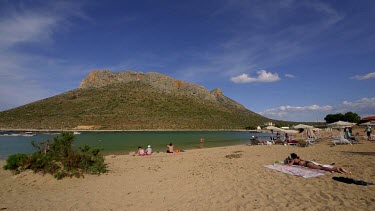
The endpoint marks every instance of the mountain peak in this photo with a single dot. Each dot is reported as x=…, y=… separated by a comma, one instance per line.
x=100, y=78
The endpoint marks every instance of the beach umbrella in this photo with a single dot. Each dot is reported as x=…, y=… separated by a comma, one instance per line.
x=302, y=126
x=371, y=123
x=273, y=128
x=316, y=130
x=340, y=124
x=291, y=131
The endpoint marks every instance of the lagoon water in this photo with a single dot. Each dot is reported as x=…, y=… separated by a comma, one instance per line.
x=125, y=142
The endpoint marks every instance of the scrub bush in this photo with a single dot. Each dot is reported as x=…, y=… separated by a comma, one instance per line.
x=16, y=161
x=59, y=159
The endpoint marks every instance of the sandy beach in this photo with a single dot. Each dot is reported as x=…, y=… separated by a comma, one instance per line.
x=224, y=178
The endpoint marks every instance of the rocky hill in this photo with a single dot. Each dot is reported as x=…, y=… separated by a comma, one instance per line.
x=133, y=100
x=163, y=83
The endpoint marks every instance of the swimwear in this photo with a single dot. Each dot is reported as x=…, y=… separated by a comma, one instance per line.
x=306, y=162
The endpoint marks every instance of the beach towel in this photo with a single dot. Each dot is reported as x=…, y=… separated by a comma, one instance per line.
x=294, y=170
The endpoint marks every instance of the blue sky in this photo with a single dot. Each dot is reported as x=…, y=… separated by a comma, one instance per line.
x=290, y=60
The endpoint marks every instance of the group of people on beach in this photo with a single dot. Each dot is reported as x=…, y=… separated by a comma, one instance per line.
x=170, y=146
x=287, y=139
x=274, y=140
x=255, y=140
x=142, y=152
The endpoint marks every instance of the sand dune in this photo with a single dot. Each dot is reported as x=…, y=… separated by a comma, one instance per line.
x=202, y=179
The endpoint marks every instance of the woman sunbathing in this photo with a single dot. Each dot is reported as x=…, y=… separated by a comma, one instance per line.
x=296, y=160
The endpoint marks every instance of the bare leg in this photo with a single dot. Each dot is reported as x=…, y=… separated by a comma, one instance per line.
x=343, y=171
x=313, y=166
x=335, y=169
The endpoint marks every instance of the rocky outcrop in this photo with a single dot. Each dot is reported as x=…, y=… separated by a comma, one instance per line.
x=99, y=78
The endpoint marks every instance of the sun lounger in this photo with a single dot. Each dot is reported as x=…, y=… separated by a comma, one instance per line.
x=372, y=137
x=278, y=141
x=292, y=143
x=341, y=141
x=353, y=140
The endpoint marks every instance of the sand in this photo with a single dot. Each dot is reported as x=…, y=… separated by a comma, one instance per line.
x=202, y=179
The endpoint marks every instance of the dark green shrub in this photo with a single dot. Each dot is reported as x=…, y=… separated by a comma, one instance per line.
x=16, y=161
x=59, y=159
x=250, y=128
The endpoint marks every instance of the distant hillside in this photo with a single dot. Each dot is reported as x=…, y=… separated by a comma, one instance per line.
x=133, y=100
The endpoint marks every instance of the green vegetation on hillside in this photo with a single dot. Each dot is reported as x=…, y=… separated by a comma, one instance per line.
x=133, y=105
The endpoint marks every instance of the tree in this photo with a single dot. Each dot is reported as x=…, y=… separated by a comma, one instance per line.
x=330, y=118
x=349, y=117
x=352, y=117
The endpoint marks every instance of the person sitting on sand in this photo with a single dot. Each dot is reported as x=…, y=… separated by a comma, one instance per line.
x=256, y=141
x=296, y=160
x=149, y=150
x=170, y=148
x=141, y=151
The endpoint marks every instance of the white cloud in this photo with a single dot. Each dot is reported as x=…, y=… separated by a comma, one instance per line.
x=365, y=77
x=363, y=107
x=296, y=113
x=331, y=15
x=26, y=28
x=24, y=25
x=263, y=76
x=26, y=77
x=290, y=76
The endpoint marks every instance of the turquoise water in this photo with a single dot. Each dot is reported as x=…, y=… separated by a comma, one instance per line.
x=125, y=142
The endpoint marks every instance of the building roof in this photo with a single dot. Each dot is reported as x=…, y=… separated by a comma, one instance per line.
x=369, y=118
